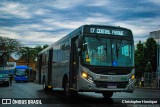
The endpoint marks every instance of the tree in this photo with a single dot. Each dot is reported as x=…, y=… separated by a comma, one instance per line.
x=151, y=53
x=7, y=46
x=146, y=57
x=30, y=54
x=45, y=46
x=139, y=59
x=148, y=67
x=27, y=54
x=38, y=49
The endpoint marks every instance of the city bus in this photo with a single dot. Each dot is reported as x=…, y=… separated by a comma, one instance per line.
x=22, y=73
x=92, y=58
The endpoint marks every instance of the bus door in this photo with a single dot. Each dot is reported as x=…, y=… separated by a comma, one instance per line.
x=74, y=62
x=49, y=79
x=39, y=68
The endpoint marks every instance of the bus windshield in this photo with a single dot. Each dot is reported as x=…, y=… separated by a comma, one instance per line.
x=99, y=51
x=21, y=72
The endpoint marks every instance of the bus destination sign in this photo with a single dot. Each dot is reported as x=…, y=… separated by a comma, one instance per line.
x=107, y=31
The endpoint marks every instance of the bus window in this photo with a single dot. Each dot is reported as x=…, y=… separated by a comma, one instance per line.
x=121, y=52
x=98, y=53
x=107, y=52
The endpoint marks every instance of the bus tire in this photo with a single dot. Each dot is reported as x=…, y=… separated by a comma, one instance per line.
x=67, y=91
x=107, y=94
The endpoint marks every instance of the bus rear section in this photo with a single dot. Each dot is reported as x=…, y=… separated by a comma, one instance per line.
x=21, y=74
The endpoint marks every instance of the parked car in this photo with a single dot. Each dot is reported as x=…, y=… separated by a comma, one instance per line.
x=4, y=79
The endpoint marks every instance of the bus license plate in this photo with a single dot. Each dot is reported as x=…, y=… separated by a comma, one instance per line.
x=112, y=86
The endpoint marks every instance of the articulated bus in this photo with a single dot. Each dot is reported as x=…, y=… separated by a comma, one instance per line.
x=92, y=58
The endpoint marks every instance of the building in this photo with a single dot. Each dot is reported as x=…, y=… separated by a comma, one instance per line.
x=156, y=36
x=21, y=61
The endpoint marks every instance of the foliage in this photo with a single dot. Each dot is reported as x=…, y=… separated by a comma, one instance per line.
x=30, y=54
x=151, y=53
x=45, y=46
x=148, y=67
x=7, y=46
x=146, y=57
x=139, y=59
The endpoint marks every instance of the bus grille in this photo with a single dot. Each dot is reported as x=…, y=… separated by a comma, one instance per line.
x=110, y=70
x=100, y=84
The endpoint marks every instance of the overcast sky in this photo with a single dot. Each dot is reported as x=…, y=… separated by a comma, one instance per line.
x=45, y=21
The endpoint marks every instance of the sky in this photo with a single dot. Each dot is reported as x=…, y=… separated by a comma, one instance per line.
x=39, y=22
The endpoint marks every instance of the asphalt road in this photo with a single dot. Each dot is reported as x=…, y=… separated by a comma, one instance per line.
x=56, y=97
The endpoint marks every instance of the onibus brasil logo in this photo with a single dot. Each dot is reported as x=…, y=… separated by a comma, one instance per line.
x=21, y=101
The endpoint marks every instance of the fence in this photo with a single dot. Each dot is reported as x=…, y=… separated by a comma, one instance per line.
x=152, y=80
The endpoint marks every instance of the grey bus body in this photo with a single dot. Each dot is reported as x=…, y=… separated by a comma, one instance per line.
x=92, y=58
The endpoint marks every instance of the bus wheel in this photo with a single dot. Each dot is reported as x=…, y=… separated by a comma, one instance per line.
x=67, y=91
x=107, y=94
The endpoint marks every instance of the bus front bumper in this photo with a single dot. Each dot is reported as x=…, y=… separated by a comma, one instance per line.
x=24, y=78
x=101, y=86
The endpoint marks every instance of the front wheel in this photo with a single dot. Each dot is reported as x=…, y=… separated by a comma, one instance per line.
x=67, y=91
x=107, y=94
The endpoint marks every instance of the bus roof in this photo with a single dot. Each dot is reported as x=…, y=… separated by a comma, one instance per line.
x=67, y=36
x=77, y=31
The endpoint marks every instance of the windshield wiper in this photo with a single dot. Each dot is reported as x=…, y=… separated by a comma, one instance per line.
x=117, y=50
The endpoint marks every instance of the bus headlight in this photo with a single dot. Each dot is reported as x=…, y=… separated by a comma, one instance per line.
x=132, y=78
x=86, y=76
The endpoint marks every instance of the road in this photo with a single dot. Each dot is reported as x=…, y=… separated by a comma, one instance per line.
x=56, y=98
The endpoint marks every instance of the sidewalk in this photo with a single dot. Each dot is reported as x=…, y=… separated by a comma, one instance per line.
x=147, y=88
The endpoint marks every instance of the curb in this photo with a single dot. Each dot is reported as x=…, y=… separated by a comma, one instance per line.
x=151, y=89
